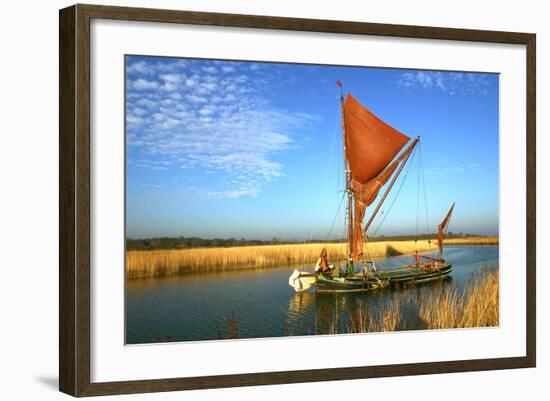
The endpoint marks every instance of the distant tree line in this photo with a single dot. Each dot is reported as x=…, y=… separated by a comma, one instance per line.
x=196, y=242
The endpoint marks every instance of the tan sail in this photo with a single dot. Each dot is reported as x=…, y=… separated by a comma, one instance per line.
x=370, y=147
x=441, y=230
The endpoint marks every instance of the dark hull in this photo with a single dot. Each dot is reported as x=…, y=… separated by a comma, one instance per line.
x=383, y=279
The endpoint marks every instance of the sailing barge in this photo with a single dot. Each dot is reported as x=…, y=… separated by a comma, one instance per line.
x=373, y=157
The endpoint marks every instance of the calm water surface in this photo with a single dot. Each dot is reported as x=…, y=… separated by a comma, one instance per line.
x=260, y=302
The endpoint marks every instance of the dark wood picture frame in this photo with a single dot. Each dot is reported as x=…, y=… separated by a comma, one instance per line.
x=74, y=199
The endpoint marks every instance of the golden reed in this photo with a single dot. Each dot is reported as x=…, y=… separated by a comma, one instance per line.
x=180, y=261
x=477, y=306
x=472, y=241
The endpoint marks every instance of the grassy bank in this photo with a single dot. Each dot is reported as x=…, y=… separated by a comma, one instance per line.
x=472, y=241
x=181, y=261
x=477, y=306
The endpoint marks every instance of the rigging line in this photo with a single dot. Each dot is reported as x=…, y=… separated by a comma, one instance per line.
x=421, y=159
x=397, y=261
x=335, y=217
x=342, y=236
x=424, y=187
x=396, y=194
x=323, y=190
x=343, y=240
x=417, y=202
x=370, y=254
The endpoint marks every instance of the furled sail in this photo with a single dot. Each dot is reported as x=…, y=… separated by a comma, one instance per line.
x=442, y=228
x=370, y=146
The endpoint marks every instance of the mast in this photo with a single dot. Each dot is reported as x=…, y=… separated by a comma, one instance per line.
x=407, y=154
x=348, y=175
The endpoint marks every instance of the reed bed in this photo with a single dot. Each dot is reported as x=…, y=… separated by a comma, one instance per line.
x=476, y=306
x=180, y=261
x=375, y=319
x=472, y=241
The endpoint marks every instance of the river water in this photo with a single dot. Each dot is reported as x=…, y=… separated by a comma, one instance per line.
x=259, y=302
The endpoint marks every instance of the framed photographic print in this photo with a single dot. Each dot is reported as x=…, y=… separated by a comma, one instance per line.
x=250, y=200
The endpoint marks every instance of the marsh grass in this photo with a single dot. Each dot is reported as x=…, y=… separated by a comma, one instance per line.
x=472, y=241
x=180, y=261
x=374, y=319
x=477, y=305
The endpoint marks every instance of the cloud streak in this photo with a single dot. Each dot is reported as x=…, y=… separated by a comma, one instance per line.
x=452, y=83
x=208, y=117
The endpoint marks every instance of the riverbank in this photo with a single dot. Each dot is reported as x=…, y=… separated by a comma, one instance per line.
x=141, y=264
x=472, y=241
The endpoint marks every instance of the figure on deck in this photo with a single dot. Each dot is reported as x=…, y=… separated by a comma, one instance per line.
x=350, y=267
x=417, y=259
x=322, y=262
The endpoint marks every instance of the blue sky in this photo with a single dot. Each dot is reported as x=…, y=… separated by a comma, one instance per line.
x=254, y=150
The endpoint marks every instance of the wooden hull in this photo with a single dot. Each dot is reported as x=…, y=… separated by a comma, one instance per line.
x=383, y=279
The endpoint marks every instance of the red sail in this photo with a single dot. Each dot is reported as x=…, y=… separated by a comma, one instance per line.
x=371, y=145
x=442, y=228
x=365, y=195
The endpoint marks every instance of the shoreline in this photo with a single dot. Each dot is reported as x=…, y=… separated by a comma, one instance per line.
x=163, y=263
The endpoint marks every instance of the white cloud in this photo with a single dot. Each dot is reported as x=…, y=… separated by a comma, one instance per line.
x=140, y=67
x=143, y=84
x=190, y=82
x=210, y=122
x=173, y=78
x=242, y=193
x=445, y=170
x=195, y=99
x=452, y=83
x=210, y=69
x=228, y=68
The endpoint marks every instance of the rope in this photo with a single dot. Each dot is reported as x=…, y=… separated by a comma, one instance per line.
x=396, y=195
x=424, y=187
x=397, y=261
x=323, y=188
x=335, y=217
x=425, y=197
x=370, y=254
x=417, y=205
